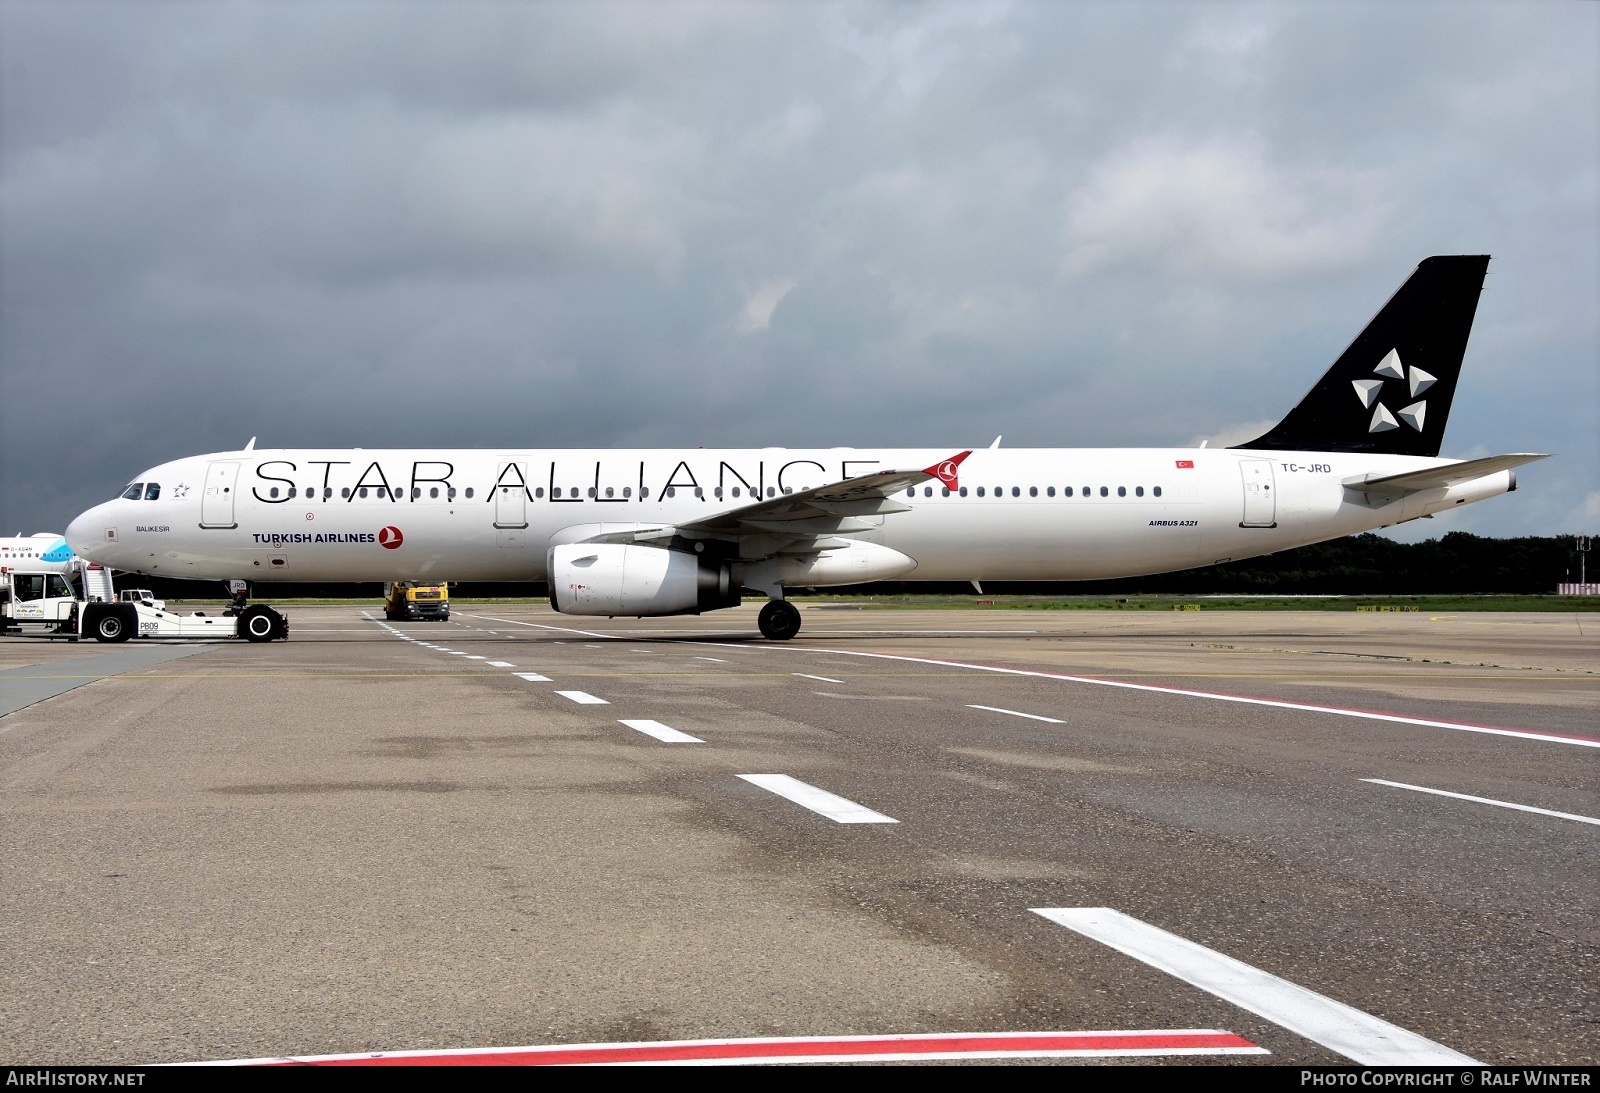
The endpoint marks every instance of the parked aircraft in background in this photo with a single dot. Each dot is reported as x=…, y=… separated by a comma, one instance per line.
x=665, y=532
x=44, y=551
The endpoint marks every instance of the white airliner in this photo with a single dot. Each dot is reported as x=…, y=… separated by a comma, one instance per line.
x=45, y=551
x=667, y=532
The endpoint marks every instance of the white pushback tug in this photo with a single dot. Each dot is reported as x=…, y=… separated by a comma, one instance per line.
x=73, y=599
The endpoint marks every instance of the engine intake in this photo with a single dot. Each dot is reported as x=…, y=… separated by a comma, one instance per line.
x=626, y=579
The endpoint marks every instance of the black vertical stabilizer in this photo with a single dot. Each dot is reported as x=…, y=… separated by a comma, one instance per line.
x=1390, y=392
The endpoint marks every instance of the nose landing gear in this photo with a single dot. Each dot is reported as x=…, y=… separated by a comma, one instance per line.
x=779, y=620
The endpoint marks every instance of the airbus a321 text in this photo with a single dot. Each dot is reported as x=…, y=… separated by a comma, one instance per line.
x=665, y=532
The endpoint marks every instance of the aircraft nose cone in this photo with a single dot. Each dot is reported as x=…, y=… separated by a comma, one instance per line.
x=86, y=532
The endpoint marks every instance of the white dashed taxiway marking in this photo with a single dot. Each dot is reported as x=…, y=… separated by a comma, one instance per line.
x=824, y=679
x=820, y=801
x=1486, y=801
x=532, y=677
x=583, y=698
x=1368, y=1040
x=665, y=733
x=1017, y=713
x=501, y=664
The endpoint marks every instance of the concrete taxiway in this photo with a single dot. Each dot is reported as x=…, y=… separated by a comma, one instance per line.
x=519, y=828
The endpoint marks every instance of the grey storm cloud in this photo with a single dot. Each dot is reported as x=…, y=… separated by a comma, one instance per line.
x=561, y=224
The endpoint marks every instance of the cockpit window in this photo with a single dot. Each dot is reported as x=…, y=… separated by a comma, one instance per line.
x=134, y=492
x=152, y=491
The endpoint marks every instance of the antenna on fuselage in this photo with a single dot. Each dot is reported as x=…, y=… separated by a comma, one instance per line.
x=250, y=447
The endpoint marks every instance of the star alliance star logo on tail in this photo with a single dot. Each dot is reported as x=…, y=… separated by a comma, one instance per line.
x=1370, y=393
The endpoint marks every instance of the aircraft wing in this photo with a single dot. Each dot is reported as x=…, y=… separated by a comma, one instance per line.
x=1438, y=477
x=803, y=522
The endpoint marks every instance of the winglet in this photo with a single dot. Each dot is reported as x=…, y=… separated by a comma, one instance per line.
x=945, y=470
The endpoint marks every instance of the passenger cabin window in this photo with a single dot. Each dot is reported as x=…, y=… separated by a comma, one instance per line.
x=964, y=491
x=273, y=492
x=1050, y=491
x=1122, y=491
x=1157, y=491
x=469, y=493
x=134, y=492
x=1138, y=491
x=1016, y=491
x=980, y=491
x=1033, y=491
x=1104, y=492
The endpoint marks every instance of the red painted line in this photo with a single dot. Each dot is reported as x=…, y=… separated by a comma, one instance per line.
x=972, y=1045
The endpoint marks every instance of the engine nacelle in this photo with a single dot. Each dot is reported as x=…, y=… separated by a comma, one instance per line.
x=626, y=579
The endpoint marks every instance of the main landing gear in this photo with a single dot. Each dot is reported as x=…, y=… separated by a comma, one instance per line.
x=779, y=620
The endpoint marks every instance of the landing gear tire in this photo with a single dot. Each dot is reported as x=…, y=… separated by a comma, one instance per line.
x=260, y=623
x=779, y=620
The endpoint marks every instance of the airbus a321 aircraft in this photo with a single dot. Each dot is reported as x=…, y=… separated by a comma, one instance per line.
x=665, y=532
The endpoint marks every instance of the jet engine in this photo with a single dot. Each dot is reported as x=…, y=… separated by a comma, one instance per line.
x=627, y=579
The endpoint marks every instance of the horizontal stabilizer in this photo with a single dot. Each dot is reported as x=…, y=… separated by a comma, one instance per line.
x=1438, y=477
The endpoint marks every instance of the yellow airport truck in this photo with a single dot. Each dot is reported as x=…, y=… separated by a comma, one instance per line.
x=405, y=600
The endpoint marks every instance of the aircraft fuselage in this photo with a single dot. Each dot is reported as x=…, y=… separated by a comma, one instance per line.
x=309, y=515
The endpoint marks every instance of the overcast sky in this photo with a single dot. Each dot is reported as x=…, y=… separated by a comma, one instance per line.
x=750, y=224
